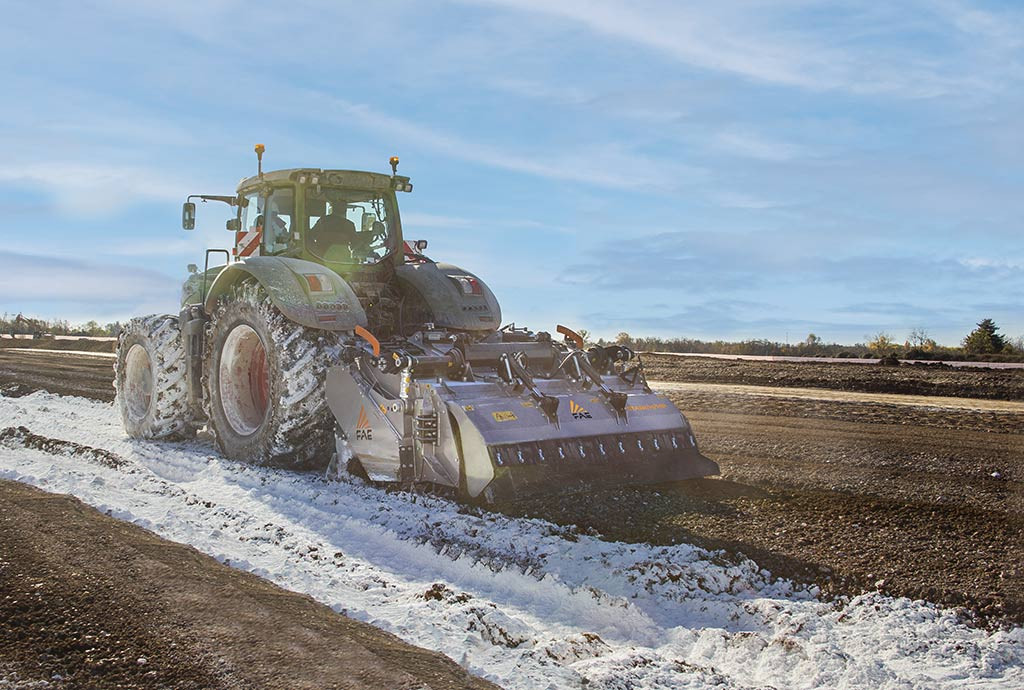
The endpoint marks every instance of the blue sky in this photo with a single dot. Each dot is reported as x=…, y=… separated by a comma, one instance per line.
x=727, y=170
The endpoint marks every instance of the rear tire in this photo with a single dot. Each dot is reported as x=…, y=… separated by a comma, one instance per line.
x=149, y=378
x=264, y=384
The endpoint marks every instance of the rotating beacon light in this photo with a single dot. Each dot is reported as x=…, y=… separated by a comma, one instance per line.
x=259, y=149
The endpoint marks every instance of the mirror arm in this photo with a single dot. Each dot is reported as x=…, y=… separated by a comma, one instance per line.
x=239, y=201
x=229, y=200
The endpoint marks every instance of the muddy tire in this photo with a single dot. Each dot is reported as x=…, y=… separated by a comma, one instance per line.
x=149, y=379
x=264, y=384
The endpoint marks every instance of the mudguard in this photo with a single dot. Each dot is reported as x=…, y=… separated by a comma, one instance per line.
x=441, y=286
x=192, y=288
x=307, y=293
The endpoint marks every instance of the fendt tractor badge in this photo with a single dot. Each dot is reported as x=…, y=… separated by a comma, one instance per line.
x=363, y=430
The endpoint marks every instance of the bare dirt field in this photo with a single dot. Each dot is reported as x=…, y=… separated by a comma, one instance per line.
x=899, y=491
x=910, y=496
x=919, y=379
x=67, y=342
x=88, y=376
x=926, y=504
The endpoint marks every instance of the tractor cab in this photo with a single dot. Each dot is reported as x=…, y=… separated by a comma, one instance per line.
x=289, y=223
x=344, y=219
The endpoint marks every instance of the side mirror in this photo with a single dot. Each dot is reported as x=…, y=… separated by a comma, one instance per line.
x=421, y=245
x=234, y=224
x=188, y=216
x=192, y=268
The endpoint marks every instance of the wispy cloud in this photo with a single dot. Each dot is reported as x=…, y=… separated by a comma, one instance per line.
x=744, y=262
x=699, y=38
x=758, y=41
x=433, y=221
x=1000, y=30
x=752, y=145
x=92, y=189
x=719, y=318
x=40, y=279
x=603, y=164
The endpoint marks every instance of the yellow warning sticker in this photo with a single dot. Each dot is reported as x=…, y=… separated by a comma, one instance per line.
x=467, y=408
x=527, y=403
x=504, y=416
x=641, y=408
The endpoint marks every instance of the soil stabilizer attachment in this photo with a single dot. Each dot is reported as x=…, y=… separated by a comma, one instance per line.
x=504, y=419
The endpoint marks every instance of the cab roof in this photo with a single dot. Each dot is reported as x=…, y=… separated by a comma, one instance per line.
x=354, y=179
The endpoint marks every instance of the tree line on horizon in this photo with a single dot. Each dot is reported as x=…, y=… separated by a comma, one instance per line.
x=985, y=342
x=19, y=324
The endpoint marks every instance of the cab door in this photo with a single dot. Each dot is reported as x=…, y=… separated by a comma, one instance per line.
x=249, y=238
x=279, y=228
x=267, y=223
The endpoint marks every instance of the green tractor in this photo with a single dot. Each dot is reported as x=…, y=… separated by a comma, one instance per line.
x=328, y=336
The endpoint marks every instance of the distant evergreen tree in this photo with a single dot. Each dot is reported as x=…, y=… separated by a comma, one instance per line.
x=984, y=339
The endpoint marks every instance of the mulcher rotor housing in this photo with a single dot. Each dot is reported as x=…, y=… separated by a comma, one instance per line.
x=508, y=415
x=397, y=360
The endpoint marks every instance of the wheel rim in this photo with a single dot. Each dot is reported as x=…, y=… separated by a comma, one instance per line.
x=242, y=380
x=138, y=382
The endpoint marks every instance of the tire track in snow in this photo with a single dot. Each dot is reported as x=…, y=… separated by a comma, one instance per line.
x=521, y=602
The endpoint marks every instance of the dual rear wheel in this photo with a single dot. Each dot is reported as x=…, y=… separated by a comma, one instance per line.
x=149, y=378
x=263, y=383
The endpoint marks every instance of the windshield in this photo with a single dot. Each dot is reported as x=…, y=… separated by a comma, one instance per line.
x=348, y=225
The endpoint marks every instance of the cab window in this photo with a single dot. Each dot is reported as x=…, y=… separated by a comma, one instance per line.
x=348, y=226
x=266, y=223
x=249, y=240
x=280, y=216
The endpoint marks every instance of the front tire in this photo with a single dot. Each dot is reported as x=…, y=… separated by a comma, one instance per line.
x=264, y=384
x=149, y=379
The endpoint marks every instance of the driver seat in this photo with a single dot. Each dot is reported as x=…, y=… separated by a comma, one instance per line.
x=332, y=230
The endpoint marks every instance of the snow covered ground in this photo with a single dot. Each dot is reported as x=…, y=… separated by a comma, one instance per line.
x=520, y=602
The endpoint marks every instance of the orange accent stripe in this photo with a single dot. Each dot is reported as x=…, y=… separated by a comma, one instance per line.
x=571, y=335
x=364, y=421
x=369, y=337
